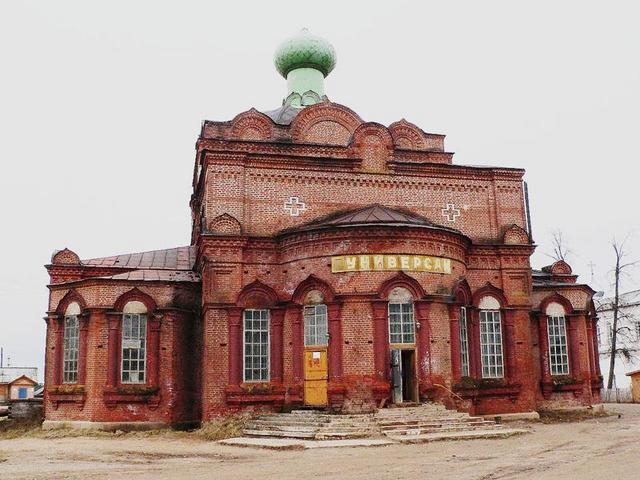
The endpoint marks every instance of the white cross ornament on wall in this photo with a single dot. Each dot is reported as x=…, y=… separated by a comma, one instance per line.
x=294, y=206
x=451, y=212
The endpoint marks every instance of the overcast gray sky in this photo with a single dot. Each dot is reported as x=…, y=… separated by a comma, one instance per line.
x=101, y=103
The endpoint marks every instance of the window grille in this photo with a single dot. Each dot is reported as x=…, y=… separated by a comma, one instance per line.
x=70, y=349
x=315, y=325
x=401, y=323
x=464, y=342
x=491, y=344
x=134, y=348
x=558, y=355
x=256, y=345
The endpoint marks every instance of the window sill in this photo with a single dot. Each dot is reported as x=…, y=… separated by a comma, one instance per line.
x=485, y=389
x=132, y=394
x=566, y=385
x=251, y=393
x=71, y=394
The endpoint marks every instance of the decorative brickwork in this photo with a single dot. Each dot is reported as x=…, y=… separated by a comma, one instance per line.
x=276, y=197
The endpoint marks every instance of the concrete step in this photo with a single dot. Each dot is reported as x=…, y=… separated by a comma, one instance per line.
x=420, y=415
x=300, y=418
x=392, y=428
x=278, y=433
x=421, y=411
x=333, y=435
x=282, y=428
x=288, y=422
x=329, y=416
x=348, y=429
x=454, y=428
x=425, y=406
x=413, y=421
x=466, y=435
x=424, y=423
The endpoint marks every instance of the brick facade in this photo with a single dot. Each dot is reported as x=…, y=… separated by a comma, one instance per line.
x=266, y=198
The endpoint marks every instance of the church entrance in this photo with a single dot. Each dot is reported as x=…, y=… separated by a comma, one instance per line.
x=315, y=377
x=404, y=387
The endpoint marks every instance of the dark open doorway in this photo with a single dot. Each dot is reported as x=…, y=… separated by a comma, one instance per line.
x=403, y=376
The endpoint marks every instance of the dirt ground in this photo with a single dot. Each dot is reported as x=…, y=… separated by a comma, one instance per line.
x=599, y=448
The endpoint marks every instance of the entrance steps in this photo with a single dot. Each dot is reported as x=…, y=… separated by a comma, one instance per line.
x=424, y=423
x=431, y=422
x=308, y=424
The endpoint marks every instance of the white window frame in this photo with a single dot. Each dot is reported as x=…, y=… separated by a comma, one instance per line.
x=464, y=343
x=264, y=350
x=128, y=337
x=316, y=325
x=491, y=347
x=71, y=349
x=558, y=346
x=405, y=319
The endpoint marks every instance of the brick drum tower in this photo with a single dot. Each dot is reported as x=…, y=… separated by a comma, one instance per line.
x=334, y=262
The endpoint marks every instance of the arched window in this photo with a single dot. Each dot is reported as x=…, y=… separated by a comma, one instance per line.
x=315, y=320
x=557, y=334
x=71, y=344
x=256, y=345
x=401, y=318
x=134, y=343
x=464, y=343
x=491, y=349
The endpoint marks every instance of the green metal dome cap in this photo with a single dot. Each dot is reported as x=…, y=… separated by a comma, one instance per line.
x=305, y=51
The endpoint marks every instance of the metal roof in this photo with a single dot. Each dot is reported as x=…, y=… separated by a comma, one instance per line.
x=375, y=214
x=179, y=258
x=283, y=115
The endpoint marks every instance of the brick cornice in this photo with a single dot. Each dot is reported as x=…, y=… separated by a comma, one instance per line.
x=280, y=155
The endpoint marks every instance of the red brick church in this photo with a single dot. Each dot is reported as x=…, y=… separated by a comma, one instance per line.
x=334, y=262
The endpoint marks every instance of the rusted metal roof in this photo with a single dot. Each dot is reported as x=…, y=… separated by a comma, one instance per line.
x=179, y=258
x=156, y=276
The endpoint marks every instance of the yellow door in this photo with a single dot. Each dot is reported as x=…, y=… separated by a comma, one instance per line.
x=315, y=377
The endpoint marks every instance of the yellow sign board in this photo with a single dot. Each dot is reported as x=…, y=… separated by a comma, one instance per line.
x=384, y=262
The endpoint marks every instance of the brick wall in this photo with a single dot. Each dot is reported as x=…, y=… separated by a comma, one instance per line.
x=249, y=251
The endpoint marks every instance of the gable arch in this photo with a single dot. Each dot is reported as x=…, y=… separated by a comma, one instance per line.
x=325, y=123
x=65, y=257
x=489, y=290
x=372, y=143
x=135, y=295
x=251, y=125
x=407, y=136
x=405, y=281
x=561, y=268
x=462, y=292
x=72, y=296
x=372, y=129
x=225, y=224
x=308, y=285
x=557, y=299
x=515, y=235
x=257, y=294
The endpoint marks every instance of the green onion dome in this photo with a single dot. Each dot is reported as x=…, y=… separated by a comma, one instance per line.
x=305, y=51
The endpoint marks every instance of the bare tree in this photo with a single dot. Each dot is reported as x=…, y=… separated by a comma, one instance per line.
x=620, y=335
x=560, y=247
